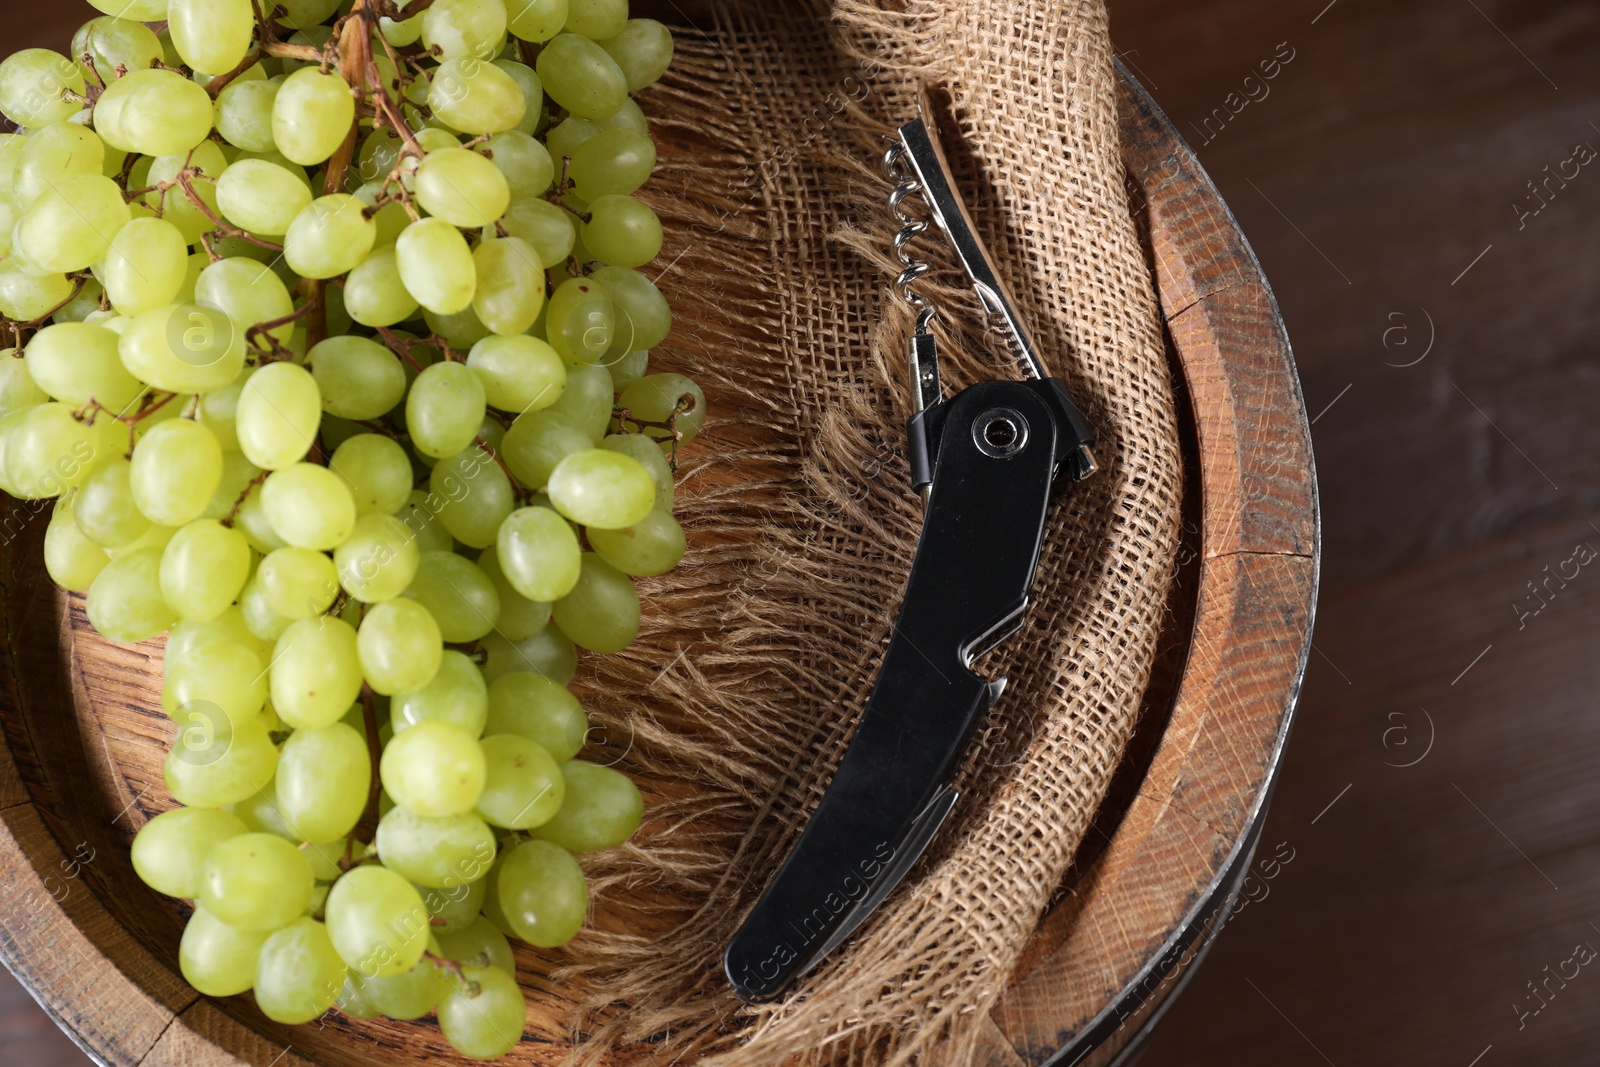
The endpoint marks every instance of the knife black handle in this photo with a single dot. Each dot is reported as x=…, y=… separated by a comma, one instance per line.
x=995, y=450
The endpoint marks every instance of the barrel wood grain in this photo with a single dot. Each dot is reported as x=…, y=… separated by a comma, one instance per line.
x=84, y=735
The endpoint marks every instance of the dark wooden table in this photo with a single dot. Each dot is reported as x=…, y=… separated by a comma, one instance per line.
x=1440, y=792
x=1440, y=796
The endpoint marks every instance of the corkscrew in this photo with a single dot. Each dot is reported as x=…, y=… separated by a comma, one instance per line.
x=985, y=462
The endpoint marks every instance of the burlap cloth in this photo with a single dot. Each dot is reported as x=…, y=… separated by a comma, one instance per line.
x=758, y=653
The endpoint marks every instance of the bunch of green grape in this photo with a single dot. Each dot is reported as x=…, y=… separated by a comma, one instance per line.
x=329, y=342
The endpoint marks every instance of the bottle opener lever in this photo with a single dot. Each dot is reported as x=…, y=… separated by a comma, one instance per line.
x=985, y=462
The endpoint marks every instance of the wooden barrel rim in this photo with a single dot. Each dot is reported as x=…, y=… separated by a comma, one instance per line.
x=1090, y=959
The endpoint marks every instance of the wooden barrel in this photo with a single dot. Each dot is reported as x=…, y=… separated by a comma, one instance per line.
x=83, y=734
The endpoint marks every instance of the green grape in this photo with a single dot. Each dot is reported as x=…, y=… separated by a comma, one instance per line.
x=532, y=92
x=218, y=960
x=329, y=236
x=74, y=363
x=169, y=852
x=305, y=12
x=48, y=451
x=212, y=36
x=377, y=921
x=478, y=943
x=643, y=314
x=549, y=653
x=125, y=602
x=156, y=538
x=455, y=695
x=322, y=781
x=602, y=808
x=577, y=74
x=249, y=292
x=191, y=641
x=475, y=97
x=34, y=84
x=666, y=397
x=461, y=330
x=145, y=266
x=621, y=231
x=643, y=51
x=460, y=597
x=400, y=647
x=432, y=138
x=54, y=153
x=538, y=554
x=70, y=225
x=203, y=569
x=316, y=672
x=525, y=163
x=406, y=996
x=519, y=373
x=260, y=620
x=650, y=547
x=80, y=307
x=532, y=706
x=602, y=611
x=436, y=266
x=153, y=112
x=537, y=441
x=441, y=852
x=183, y=348
x=244, y=115
x=567, y=136
x=181, y=209
x=537, y=20
x=261, y=197
x=70, y=558
x=235, y=761
x=299, y=973
x=628, y=368
x=596, y=19
x=18, y=390
x=420, y=513
x=111, y=43
x=176, y=467
x=491, y=897
x=11, y=149
x=519, y=617
x=358, y=377
x=461, y=187
x=377, y=471
x=510, y=285
x=311, y=115
x=601, y=488
x=375, y=294
x=615, y=162
x=208, y=695
x=297, y=583
x=255, y=881
x=542, y=893
x=456, y=903
x=464, y=29
x=353, y=999
x=403, y=32
x=217, y=412
x=483, y=1018
x=308, y=506
x=581, y=321
x=434, y=770
x=587, y=400
x=523, y=786
x=378, y=560
x=547, y=227
x=24, y=297
x=444, y=409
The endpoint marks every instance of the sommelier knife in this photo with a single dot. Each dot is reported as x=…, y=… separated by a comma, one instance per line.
x=985, y=462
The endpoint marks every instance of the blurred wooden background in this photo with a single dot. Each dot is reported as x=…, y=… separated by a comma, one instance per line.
x=1418, y=180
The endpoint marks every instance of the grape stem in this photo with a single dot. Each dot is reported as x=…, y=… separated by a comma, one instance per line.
x=233, y=512
x=17, y=328
x=369, y=718
x=93, y=407
x=399, y=347
x=469, y=987
x=684, y=405
x=273, y=345
x=222, y=81
x=516, y=486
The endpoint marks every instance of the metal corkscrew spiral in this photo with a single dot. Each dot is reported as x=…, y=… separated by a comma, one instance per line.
x=924, y=360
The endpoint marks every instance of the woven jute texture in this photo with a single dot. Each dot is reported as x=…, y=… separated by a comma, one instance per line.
x=757, y=655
